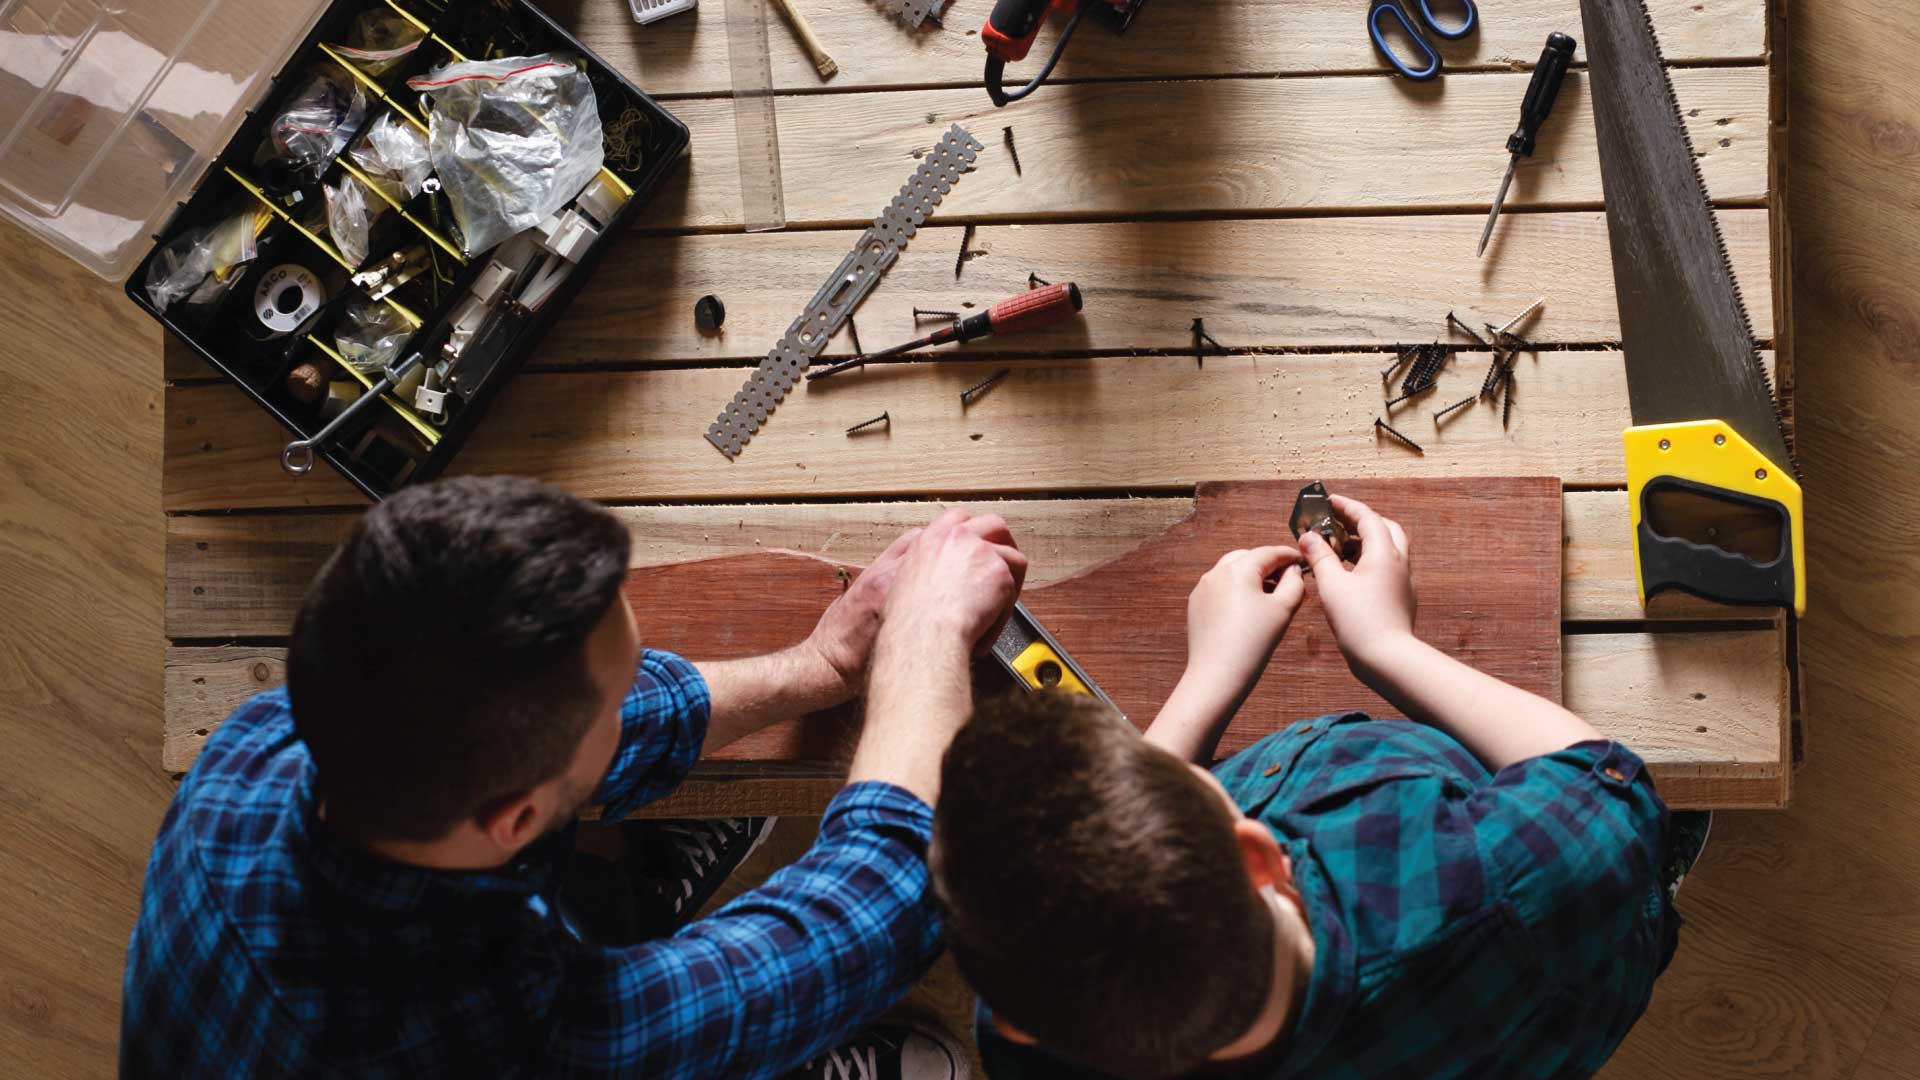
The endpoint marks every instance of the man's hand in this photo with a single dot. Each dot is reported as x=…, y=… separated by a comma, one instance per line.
x=1233, y=626
x=950, y=593
x=1370, y=606
x=961, y=578
x=843, y=638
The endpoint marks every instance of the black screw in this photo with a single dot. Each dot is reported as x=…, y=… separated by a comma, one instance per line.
x=966, y=241
x=1034, y=280
x=919, y=314
x=1409, y=395
x=1380, y=425
x=1200, y=339
x=981, y=387
x=1492, y=381
x=1399, y=362
x=853, y=335
x=1506, y=409
x=1467, y=330
x=1006, y=133
x=1455, y=407
x=881, y=419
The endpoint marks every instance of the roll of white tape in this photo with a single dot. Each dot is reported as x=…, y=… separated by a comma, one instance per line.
x=287, y=296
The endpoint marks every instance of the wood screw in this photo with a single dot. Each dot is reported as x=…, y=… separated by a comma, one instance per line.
x=981, y=387
x=862, y=425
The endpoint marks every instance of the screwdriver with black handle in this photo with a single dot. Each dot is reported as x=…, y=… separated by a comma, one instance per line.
x=1029, y=310
x=1548, y=74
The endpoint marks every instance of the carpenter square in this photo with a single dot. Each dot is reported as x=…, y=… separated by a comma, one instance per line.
x=1037, y=662
x=1707, y=442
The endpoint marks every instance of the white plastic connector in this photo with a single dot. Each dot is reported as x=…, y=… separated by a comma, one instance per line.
x=646, y=11
x=492, y=283
x=568, y=235
x=601, y=201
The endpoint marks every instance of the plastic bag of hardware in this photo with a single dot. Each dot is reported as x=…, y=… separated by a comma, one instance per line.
x=513, y=141
x=371, y=335
x=315, y=125
x=352, y=213
x=198, y=265
x=396, y=152
x=379, y=39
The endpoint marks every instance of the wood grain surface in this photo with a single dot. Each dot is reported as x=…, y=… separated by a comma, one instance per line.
x=1075, y=425
x=1124, y=620
x=1286, y=283
x=242, y=575
x=1227, y=146
x=688, y=54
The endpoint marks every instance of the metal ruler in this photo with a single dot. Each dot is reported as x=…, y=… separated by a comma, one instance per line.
x=1037, y=662
x=843, y=290
x=756, y=131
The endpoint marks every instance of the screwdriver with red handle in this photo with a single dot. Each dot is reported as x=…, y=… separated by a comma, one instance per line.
x=1029, y=310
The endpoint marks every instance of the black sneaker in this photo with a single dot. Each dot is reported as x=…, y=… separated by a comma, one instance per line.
x=675, y=867
x=1686, y=839
x=889, y=1052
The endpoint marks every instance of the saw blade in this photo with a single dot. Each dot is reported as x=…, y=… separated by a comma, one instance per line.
x=1689, y=345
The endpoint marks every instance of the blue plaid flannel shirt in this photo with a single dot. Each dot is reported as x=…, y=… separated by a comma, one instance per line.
x=268, y=945
x=1464, y=924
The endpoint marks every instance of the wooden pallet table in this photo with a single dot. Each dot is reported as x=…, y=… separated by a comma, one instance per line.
x=1244, y=161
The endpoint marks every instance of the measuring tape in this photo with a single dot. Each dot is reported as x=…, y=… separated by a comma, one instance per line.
x=849, y=284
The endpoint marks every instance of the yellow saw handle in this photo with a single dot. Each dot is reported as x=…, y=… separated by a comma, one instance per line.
x=1708, y=458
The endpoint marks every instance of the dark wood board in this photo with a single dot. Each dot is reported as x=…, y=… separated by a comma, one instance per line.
x=1486, y=567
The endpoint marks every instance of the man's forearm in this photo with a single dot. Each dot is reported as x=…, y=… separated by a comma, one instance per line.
x=751, y=694
x=921, y=694
x=1501, y=724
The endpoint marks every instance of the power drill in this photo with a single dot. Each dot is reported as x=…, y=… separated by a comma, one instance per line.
x=1011, y=28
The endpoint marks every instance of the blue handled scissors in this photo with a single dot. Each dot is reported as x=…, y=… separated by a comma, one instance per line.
x=1401, y=10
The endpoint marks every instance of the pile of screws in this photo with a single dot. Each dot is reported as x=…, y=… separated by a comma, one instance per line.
x=1422, y=364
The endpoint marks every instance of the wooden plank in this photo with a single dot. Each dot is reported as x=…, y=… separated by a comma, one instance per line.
x=1124, y=619
x=688, y=54
x=1278, y=283
x=1719, y=750
x=1132, y=424
x=1213, y=147
x=242, y=576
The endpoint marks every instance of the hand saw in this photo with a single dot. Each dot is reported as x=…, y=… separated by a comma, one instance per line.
x=1037, y=662
x=1712, y=494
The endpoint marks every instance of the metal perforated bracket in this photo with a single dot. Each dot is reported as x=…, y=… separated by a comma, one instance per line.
x=843, y=291
x=911, y=12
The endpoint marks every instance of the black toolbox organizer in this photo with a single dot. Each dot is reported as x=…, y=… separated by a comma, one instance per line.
x=479, y=29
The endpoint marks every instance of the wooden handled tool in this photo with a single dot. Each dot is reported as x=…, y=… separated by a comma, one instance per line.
x=815, y=51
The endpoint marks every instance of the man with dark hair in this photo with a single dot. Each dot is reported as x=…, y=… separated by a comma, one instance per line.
x=1474, y=893
x=361, y=874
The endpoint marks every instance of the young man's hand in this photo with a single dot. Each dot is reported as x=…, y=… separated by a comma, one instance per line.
x=844, y=636
x=1233, y=626
x=1234, y=623
x=1371, y=605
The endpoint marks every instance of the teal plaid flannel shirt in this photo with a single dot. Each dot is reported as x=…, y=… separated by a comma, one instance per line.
x=1466, y=925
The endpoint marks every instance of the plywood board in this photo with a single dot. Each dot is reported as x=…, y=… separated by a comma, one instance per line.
x=242, y=575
